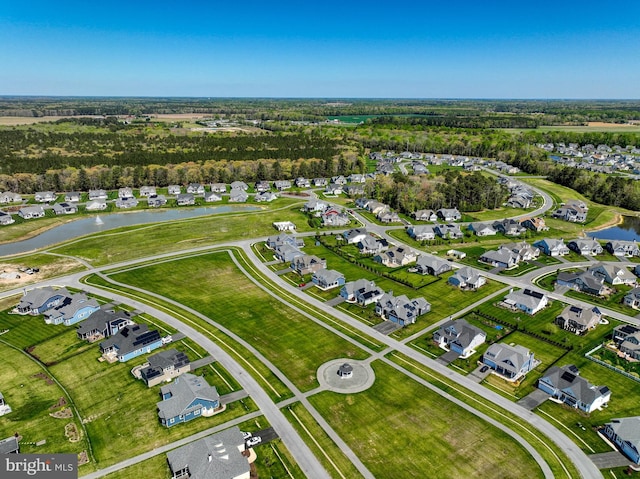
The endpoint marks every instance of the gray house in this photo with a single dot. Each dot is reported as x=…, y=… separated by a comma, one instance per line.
x=578, y=320
x=401, y=310
x=625, y=434
x=585, y=246
x=64, y=208
x=510, y=362
x=421, y=232
x=427, y=264
x=459, y=336
x=164, y=366
x=565, y=384
x=362, y=291
x=327, y=279
x=187, y=397
x=219, y=455
x=186, y=199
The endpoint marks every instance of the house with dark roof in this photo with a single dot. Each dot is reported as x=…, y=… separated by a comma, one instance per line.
x=103, y=323
x=524, y=250
x=535, y=224
x=185, y=199
x=371, y=245
x=355, y=235
x=361, y=291
x=482, y=229
x=401, y=310
x=156, y=201
x=459, y=336
x=130, y=342
x=626, y=337
x=125, y=203
x=501, y=258
x=510, y=362
x=327, y=279
x=6, y=219
x=625, y=434
x=449, y=214
x=307, y=264
x=574, y=211
x=448, y=231
x=578, y=320
x=217, y=456
x=164, y=366
x=211, y=196
x=396, y=257
x=64, y=208
x=623, y=248
x=566, y=385
x=632, y=298
x=508, y=227
x=583, y=281
x=37, y=301
x=526, y=300
x=585, y=246
x=287, y=253
x=427, y=264
x=186, y=398
x=284, y=238
x=71, y=310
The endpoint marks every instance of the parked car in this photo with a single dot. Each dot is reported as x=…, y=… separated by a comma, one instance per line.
x=253, y=441
x=246, y=435
x=483, y=369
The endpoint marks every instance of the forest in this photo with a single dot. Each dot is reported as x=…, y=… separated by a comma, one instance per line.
x=291, y=138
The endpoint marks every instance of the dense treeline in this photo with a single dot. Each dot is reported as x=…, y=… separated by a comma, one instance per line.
x=592, y=137
x=459, y=121
x=549, y=111
x=34, y=151
x=467, y=192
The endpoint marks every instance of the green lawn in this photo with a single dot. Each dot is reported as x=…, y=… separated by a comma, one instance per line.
x=228, y=297
x=441, y=438
x=332, y=458
x=143, y=240
x=613, y=302
x=32, y=400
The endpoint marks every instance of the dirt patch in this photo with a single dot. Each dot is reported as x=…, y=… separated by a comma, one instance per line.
x=44, y=377
x=62, y=413
x=59, y=267
x=602, y=124
x=83, y=458
x=71, y=432
x=61, y=402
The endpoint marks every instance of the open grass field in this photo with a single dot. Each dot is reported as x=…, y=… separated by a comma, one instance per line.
x=271, y=383
x=331, y=457
x=425, y=436
x=32, y=399
x=144, y=240
x=228, y=297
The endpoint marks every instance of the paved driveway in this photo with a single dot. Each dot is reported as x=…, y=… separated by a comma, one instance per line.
x=608, y=460
x=533, y=399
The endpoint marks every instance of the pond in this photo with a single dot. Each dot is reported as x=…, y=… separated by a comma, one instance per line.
x=98, y=223
x=629, y=230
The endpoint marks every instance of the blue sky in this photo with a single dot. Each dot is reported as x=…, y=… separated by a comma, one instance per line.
x=351, y=48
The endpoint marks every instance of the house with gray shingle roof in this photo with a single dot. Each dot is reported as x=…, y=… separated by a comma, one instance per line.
x=449, y=214
x=502, y=258
x=510, y=362
x=578, y=320
x=613, y=274
x=552, y=247
x=185, y=199
x=583, y=281
x=217, y=456
x=421, y=232
x=625, y=434
x=71, y=310
x=527, y=300
x=45, y=196
x=362, y=291
x=632, y=298
x=130, y=342
x=482, y=229
x=103, y=323
x=327, y=279
x=37, y=301
x=396, y=257
x=30, y=212
x=212, y=196
x=238, y=195
x=164, y=366
x=64, y=208
x=623, y=248
x=186, y=398
x=466, y=278
x=195, y=188
x=427, y=264
x=565, y=384
x=585, y=246
x=6, y=218
x=9, y=445
x=218, y=187
x=308, y=264
x=459, y=336
x=425, y=215
x=401, y=310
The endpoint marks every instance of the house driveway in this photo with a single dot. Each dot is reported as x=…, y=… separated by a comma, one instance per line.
x=387, y=327
x=284, y=271
x=533, y=399
x=448, y=357
x=477, y=376
x=202, y=362
x=335, y=301
x=234, y=396
x=608, y=460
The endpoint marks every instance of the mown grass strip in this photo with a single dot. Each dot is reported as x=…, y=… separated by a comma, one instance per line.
x=556, y=459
